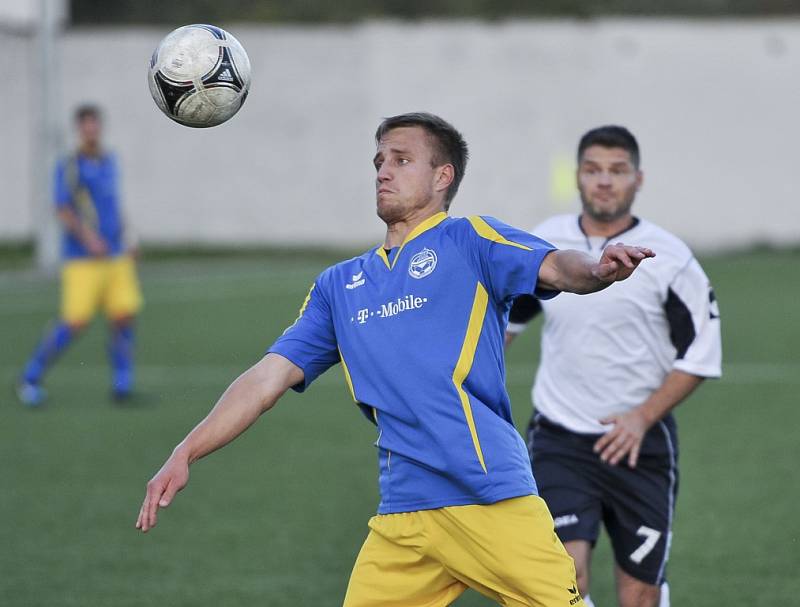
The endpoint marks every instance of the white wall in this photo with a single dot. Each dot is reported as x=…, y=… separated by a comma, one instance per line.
x=714, y=105
x=24, y=15
x=17, y=137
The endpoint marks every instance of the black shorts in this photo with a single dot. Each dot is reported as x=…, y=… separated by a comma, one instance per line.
x=636, y=505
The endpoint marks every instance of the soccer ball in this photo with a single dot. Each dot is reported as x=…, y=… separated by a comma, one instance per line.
x=199, y=75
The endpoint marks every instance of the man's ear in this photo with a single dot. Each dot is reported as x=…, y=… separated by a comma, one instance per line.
x=445, y=175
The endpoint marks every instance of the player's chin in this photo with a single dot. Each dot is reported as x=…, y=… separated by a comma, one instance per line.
x=387, y=208
x=607, y=209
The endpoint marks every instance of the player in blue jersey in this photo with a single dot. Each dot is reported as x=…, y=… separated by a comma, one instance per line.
x=417, y=325
x=98, y=270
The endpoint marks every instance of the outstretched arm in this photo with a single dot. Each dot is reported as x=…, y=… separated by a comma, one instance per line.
x=577, y=272
x=250, y=395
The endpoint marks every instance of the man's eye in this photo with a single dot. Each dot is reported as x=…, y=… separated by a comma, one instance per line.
x=402, y=161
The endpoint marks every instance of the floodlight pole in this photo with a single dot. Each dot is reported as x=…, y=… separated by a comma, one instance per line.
x=48, y=139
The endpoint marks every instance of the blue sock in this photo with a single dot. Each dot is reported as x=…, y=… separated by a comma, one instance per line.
x=120, y=352
x=54, y=343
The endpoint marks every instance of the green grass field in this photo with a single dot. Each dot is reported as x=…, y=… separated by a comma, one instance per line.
x=277, y=517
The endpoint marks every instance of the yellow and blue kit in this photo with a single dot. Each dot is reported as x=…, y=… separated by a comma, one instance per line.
x=90, y=186
x=419, y=332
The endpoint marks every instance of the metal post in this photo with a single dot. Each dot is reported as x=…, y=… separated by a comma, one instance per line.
x=48, y=131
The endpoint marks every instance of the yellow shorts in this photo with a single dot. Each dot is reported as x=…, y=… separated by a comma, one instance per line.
x=507, y=551
x=89, y=284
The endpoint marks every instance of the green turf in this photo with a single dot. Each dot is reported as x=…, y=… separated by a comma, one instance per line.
x=277, y=517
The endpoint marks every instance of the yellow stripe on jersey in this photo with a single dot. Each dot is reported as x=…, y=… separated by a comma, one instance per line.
x=430, y=222
x=305, y=303
x=378, y=440
x=302, y=308
x=486, y=231
x=348, y=379
x=465, y=359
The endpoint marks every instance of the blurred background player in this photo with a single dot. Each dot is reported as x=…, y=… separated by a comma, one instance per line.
x=613, y=366
x=98, y=270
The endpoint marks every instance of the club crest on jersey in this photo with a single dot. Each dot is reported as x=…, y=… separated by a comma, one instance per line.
x=422, y=264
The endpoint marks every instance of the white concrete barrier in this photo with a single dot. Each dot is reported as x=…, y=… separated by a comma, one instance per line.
x=713, y=103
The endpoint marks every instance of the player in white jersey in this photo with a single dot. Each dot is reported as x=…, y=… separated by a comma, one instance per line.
x=613, y=366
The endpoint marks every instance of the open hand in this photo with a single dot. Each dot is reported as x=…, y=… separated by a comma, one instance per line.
x=161, y=489
x=625, y=438
x=619, y=261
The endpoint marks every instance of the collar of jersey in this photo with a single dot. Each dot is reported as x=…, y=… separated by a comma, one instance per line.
x=634, y=222
x=430, y=222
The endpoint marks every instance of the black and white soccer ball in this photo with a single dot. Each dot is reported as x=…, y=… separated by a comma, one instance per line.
x=199, y=75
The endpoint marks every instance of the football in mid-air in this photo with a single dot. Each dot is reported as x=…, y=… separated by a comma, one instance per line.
x=199, y=75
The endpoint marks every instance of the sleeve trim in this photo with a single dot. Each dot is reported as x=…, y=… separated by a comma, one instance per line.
x=484, y=230
x=707, y=371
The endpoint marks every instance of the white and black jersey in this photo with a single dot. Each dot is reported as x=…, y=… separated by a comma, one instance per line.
x=608, y=352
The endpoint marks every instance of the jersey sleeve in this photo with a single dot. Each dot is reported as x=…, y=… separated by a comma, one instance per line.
x=508, y=259
x=310, y=343
x=62, y=192
x=694, y=323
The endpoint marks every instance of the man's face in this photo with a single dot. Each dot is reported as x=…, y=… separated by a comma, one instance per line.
x=89, y=130
x=406, y=179
x=607, y=182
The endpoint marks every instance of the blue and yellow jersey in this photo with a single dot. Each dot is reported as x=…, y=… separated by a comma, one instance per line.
x=90, y=186
x=419, y=333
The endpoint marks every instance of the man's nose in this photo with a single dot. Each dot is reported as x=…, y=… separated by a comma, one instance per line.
x=384, y=174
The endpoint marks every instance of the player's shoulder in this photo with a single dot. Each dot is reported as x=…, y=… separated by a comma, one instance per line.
x=347, y=265
x=463, y=225
x=477, y=226
x=462, y=230
x=345, y=269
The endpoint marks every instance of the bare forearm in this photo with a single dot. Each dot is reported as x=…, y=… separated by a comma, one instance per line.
x=73, y=224
x=251, y=394
x=676, y=387
x=577, y=272
x=236, y=410
x=571, y=271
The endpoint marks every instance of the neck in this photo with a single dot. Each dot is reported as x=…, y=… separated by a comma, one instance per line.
x=89, y=149
x=398, y=231
x=606, y=229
